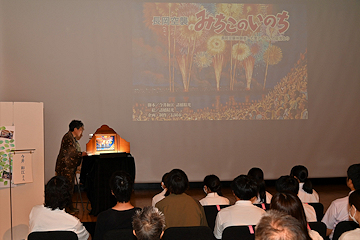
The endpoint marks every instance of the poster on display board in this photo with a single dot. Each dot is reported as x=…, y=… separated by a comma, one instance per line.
x=7, y=144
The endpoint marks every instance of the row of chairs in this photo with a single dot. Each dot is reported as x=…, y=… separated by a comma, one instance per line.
x=211, y=211
x=193, y=233
x=173, y=233
x=230, y=233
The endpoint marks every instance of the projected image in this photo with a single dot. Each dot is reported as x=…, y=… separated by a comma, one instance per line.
x=105, y=143
x=217, y=61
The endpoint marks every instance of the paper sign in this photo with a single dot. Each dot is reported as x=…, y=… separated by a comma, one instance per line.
x=22, y=168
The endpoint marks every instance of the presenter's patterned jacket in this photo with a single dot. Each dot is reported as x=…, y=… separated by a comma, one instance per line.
x=69, y=158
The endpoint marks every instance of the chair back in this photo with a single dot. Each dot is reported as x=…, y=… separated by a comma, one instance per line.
x=342, y=227
x=320, y=227
x=53, y=235
x=211, y=213
x=239, y=233
x=119, y=234
x=90, y=227
x=265, y=206
x=319, y=209
x=188, y=233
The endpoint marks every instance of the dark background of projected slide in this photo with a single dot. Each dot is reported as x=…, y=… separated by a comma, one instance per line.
x=219, y=61
x=76, y=57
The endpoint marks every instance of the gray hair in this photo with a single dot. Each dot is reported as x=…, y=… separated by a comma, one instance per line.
x=275, y=225
x=148, y=223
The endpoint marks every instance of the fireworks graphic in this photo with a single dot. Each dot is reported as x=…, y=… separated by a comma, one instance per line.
x=240, y=51
x=186, y=48
x=233, y=46
x=230, y=10
x=257, y=49
x=203, y=59
x=216, y=45
x=272, y=56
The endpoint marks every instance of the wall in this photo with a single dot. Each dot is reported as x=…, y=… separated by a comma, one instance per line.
x=29, y=133
x=76, y=57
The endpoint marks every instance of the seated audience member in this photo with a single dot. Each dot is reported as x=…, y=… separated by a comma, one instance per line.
x=275, y=225
x=212, y=188
x=306, y=192
x=243, y=212
x=148, y=224
x=290, y=203
x=120, y=216
x=164, y=192
x=263, y=196
x=180, y=209
x=290, y=184
x=354, y=214
x=338, y=209
x=52, y=216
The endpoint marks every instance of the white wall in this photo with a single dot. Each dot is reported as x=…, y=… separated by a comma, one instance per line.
x=75, y=56
x=29, y=130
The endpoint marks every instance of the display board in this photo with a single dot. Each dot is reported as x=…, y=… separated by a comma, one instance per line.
x=17, y=202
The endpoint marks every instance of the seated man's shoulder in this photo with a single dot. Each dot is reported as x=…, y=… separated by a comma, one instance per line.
x=342, y=200
x=339, y=202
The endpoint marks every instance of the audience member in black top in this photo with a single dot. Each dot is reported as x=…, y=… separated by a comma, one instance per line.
x=120, y=216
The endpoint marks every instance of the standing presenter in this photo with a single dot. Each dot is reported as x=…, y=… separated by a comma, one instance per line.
x=70, y=155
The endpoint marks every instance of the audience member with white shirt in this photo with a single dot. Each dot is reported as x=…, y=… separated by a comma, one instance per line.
x=243, y=212
x=354, y=214
x=306, y=192
x=290, y=184
x=338, y=210
x=52, y=216
x=212, y=188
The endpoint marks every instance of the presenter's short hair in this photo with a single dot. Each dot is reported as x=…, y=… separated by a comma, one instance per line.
x=287, y=184
x=75, y=124
x=275, y=225
x=57, y=193
x=177, y=181
x=121, y=184
x=148, y=223
x=244, y=187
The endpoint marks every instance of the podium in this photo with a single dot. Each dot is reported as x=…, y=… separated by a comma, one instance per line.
x=97, y=169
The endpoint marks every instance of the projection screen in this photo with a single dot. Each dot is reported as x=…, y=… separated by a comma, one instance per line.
x=219, y=61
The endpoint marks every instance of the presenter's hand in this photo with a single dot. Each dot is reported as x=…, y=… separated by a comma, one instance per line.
x=84, y=154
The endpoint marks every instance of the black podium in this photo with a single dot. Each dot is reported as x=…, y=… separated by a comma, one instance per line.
x=96, y=171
